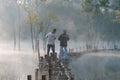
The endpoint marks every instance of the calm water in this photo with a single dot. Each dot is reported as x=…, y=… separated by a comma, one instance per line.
x=15, y=65
x=97, y=66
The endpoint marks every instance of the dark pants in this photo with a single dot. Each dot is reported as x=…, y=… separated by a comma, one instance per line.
x=49, y=46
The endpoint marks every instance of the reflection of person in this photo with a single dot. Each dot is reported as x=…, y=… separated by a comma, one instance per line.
x=51, y=36
x=63, y=38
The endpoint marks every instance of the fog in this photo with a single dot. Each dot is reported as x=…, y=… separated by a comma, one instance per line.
x=17, y=65
x=80, y=27
x=83, y=27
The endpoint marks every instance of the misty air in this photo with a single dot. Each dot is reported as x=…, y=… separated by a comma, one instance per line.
x=59, y=40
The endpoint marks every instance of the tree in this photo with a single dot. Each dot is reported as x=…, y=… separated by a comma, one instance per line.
x=37, y=26
x=32, y=19
x=117, y=12
x=14, y=33
x=89, y=9
x=104, y=3
x=19, y=26
x=98, y=15
x=18, y=5
x=50, y=18
x=87, y=5
x=117, y=18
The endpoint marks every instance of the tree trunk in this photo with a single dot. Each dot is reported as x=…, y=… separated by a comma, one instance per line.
x=44, y=42
x=19, y=28
x=37, y=28
x=36, y=38
x=14, y=38
x=19, y=46
x=31, y=26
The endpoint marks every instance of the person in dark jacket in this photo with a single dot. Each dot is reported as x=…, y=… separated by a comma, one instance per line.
x=63, y=38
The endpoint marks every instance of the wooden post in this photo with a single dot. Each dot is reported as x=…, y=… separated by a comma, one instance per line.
x=72, y=78
x=29, y=77
x=43, y=77
x=36, y=74
x=49, y=71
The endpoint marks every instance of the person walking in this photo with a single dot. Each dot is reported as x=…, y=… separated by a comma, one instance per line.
x=63, y=38
x=51, y=36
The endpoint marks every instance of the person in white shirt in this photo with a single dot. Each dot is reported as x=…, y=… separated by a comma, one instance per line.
x=51, y=36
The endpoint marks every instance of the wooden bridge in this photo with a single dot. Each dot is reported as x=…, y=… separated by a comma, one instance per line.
x=78, y=54
x=53, y=69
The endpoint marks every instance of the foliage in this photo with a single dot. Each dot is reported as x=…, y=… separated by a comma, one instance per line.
x=98, y=17
x=32, y=17
x=40, y=27
x=51, y=16
x=87, y=5
x=117, y=19
x=104, y=3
